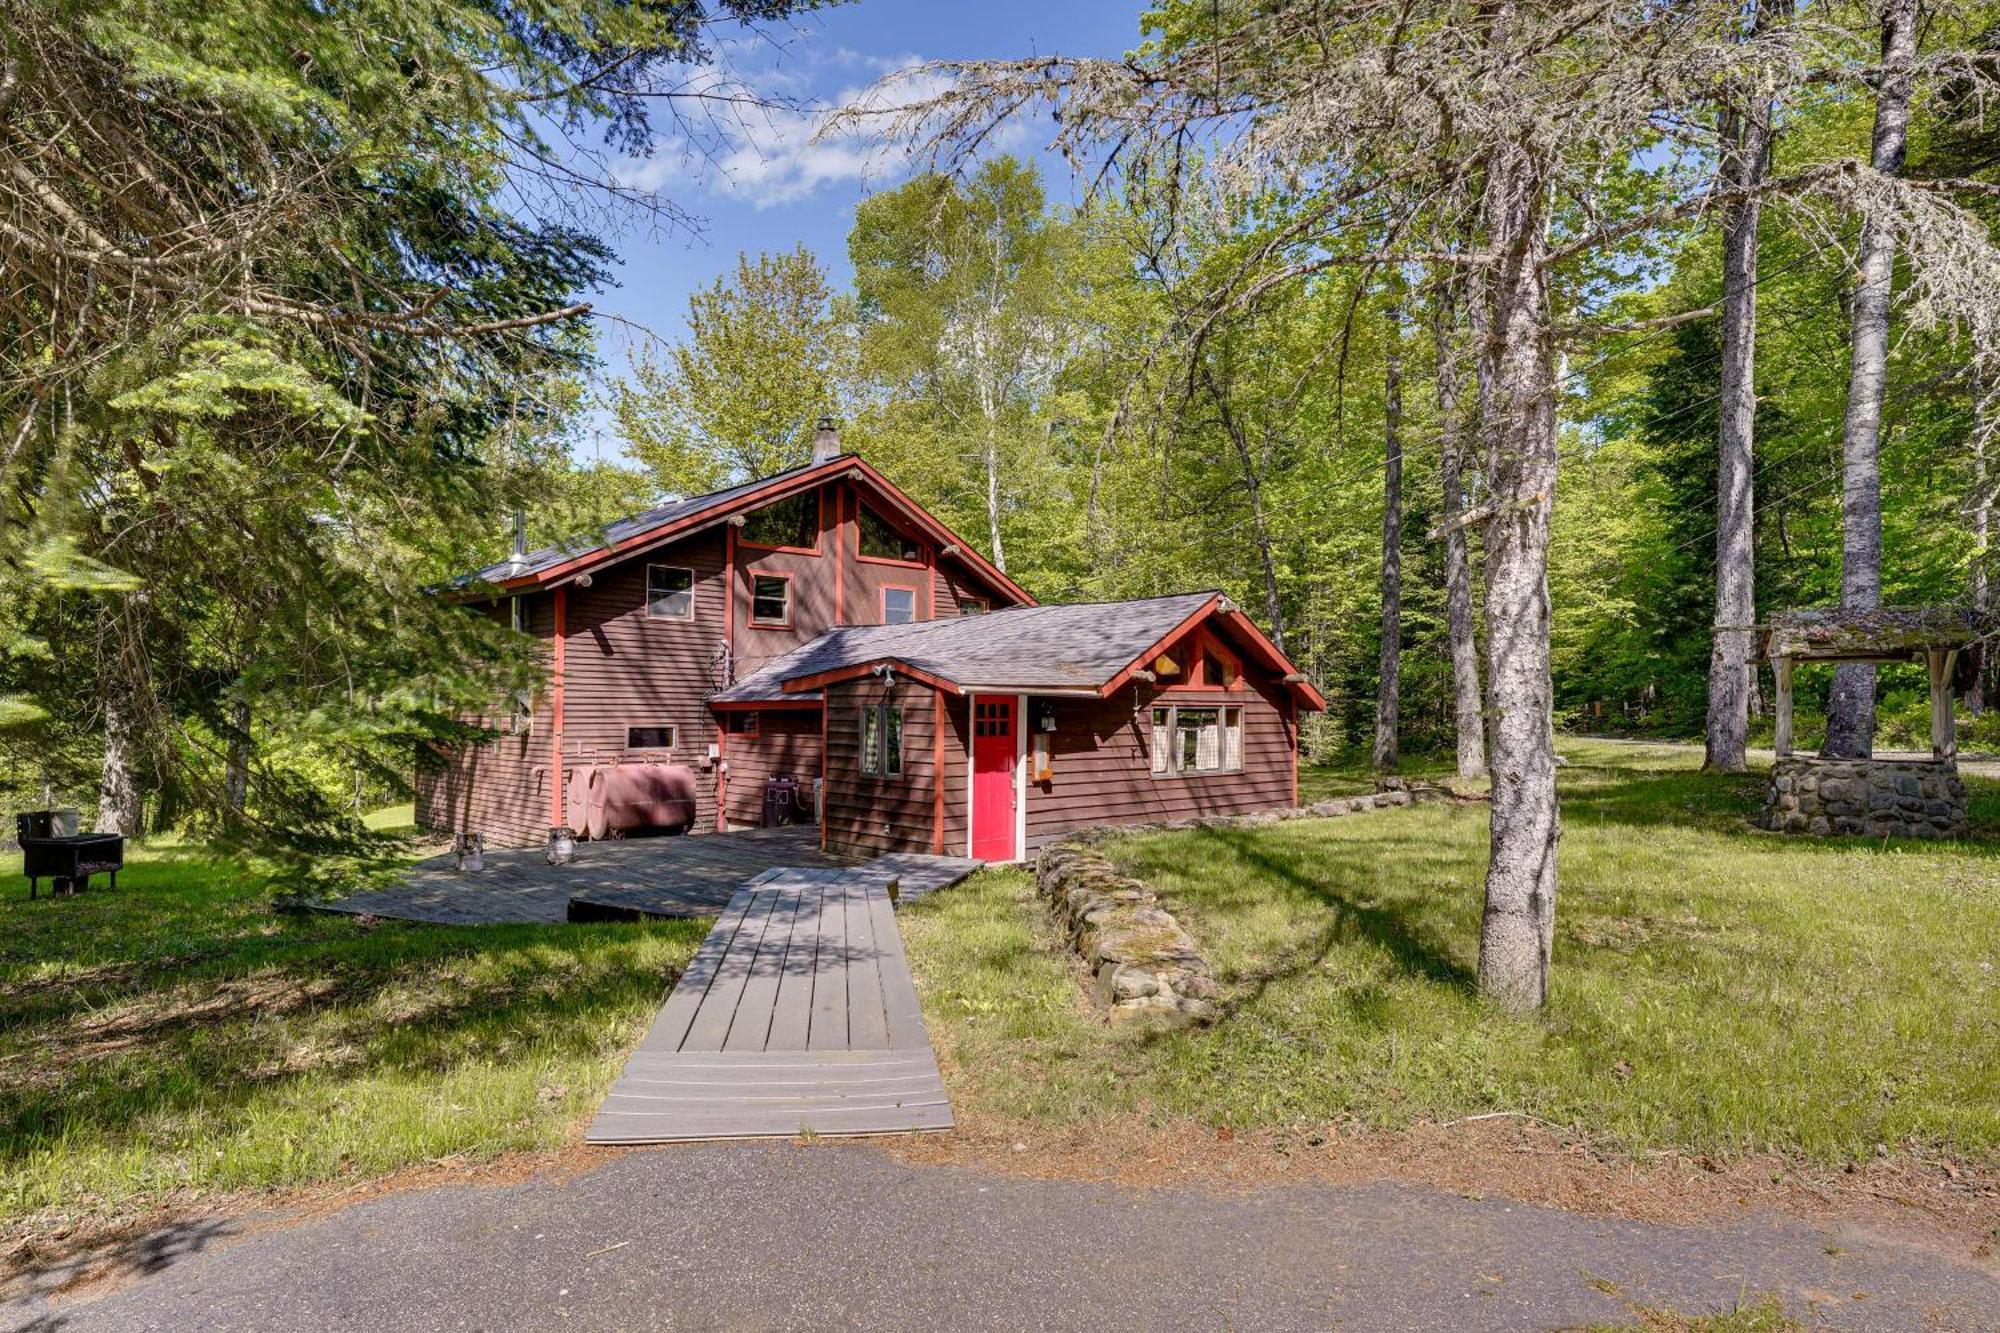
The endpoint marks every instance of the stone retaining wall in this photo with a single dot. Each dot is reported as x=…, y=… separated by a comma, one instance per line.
x=1899, y=798
x=1144, y=963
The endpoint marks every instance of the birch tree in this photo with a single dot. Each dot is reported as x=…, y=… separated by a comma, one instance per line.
x=1468, y=712
x=1850, y=710
x=1746, y=160
x=1500, y=121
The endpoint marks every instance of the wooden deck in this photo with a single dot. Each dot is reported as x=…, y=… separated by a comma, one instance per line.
x=795, y=1015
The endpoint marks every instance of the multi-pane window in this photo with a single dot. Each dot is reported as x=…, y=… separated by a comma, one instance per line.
x=881, y=541
x=899, y=606
x=649, y=738
x=1197, y=740
x=669, y=593
x=971, y=606
x=881, y=739
x=770, y=600
x=793, y=522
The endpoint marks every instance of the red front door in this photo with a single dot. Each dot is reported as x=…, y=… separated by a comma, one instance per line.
x=994, y=750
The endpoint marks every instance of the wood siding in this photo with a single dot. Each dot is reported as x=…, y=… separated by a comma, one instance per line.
x=1102, y=757
x=867, y=814
x=499, y=788
x=624, y=669
x=787, y=741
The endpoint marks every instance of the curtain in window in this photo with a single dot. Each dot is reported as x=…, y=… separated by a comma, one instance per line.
x=871, y=740
x=1162, y=740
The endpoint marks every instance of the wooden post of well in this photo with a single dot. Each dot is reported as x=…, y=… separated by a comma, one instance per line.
x=1781, y=667
x=1944, y=727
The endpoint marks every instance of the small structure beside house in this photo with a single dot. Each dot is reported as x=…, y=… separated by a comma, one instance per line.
x=819, y=632
x=1878, y=797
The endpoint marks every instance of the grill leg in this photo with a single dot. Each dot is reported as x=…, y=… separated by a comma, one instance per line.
x=33, y=884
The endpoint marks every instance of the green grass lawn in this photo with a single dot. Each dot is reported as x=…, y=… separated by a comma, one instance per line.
x=1716, y=989
x=177, y=1036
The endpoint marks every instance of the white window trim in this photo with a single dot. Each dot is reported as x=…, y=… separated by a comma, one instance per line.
x=1222, y=741
x=672, y=729
x=647, y=593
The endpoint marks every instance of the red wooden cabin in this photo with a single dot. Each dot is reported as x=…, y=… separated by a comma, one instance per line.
x=820, y=624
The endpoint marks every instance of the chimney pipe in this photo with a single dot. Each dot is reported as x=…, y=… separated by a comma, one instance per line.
x=826, y=442
x=518, y=557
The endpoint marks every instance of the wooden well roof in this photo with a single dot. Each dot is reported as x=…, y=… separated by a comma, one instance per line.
x=1886, y=633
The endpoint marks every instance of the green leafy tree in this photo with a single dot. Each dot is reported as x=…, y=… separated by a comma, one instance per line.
x=739, y=396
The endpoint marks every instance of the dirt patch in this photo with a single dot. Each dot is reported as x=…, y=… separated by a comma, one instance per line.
x=1946, y=1207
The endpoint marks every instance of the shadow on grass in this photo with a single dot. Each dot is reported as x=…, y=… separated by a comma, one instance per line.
x=1246, y=859
x=160, y=1011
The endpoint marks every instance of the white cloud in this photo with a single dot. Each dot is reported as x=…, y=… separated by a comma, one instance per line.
x=752, y=133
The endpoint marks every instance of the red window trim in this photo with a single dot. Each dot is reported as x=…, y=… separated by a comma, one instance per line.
x=817, y=548
x=882, y=601
x=860, y=507
x=791, y=602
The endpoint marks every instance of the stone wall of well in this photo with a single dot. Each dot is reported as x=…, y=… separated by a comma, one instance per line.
x=1877, y=798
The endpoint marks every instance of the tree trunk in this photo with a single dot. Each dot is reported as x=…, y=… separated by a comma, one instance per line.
x=1517, y=365
x=1253, y=486
x=118, y=805
x=1731, y=666
x=993, y=495
x=236, y=767
x=1987, y=418
x=1850, y=721
x=1469, y=714
x=1388, y=687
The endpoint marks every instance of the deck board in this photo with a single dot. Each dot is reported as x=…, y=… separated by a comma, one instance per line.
x=797, y=1014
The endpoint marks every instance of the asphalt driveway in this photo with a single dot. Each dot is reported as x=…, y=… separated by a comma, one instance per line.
x=781, y=1236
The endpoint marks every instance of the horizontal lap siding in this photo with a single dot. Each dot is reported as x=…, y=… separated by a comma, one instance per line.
x=1103, y=766
x=786, y=742
x=880, y=814
x=625, y=669
x=500, y=788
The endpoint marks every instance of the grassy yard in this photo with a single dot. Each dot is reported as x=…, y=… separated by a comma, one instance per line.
x=1717, y=988
x=178, y=1037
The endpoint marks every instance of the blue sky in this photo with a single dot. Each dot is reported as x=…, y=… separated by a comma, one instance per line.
x=770, y=188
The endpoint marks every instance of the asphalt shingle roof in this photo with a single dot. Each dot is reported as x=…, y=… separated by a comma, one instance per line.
x=1079, y=646
x=624, y=530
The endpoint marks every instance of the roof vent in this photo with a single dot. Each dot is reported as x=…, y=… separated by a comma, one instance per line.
x=826, y=442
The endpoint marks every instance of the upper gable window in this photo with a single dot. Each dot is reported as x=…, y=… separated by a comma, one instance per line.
x=669, y=593
x=880, y=539
x=790, y=523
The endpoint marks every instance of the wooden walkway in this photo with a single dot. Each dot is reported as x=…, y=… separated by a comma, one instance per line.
x=795, y=1015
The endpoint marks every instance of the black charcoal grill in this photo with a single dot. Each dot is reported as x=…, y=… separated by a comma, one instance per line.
x=51, y=851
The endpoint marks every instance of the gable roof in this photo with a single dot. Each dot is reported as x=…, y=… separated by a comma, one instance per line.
x=560, y=563
x=1088, y=646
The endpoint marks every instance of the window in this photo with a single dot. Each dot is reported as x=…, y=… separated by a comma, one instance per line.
x=669, y=593
x=790, y=523
x=971, y=606
x=743, y=724
x=881, y=541
x=770, y=599
x=1197, y=740
x=1217, y=671
x=899, y=605
x=649, y=738
x=882, y=739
